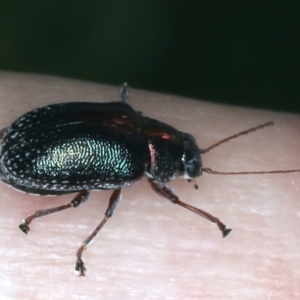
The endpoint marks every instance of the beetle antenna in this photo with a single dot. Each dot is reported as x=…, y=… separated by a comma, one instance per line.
x=237, y=135
x=210, y=171
x=194, y=183
x=124, y=92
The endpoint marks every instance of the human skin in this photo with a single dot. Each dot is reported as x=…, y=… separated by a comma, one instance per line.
x=150, y=248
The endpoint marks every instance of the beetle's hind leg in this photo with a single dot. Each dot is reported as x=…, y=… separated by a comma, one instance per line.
x=113, y=202
x=79, y=199
x=165, y=191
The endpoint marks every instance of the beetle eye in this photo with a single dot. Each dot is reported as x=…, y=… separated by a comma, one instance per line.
x=191, y=159
x=193, y=169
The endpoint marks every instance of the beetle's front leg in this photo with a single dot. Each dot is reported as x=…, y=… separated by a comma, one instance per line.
x=113, y=202
x=166, y=192
x=79, y=199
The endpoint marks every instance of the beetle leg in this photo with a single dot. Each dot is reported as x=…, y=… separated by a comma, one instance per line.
x=113, y=202
x=124, y=92
x=2, y=133
x=166, y=192
x=79, y=199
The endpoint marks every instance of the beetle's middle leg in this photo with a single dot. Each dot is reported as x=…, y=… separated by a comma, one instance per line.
x=79, y=199
x=165, y=191
x=113, y=202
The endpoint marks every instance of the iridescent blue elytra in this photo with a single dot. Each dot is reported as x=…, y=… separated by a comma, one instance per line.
x=74, y=146
x=77, y=147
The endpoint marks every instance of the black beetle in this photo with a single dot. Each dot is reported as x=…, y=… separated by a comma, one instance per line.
x=77, y=147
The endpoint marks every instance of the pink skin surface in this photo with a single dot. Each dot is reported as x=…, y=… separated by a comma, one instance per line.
x=150, y=248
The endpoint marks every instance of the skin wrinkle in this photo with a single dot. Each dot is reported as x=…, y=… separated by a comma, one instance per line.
x=151, y=249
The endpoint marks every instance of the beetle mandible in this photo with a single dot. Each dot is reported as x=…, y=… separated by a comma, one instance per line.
x=79, y=146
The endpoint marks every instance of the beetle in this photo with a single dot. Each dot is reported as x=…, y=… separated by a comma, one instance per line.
x=77, y=147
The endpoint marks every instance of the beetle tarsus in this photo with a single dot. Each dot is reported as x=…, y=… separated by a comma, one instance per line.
x=223, y=228
x=226, y=231
x=24, y=227
x=80, y=268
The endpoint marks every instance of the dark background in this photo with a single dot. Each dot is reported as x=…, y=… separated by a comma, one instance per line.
x=239, y=52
